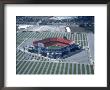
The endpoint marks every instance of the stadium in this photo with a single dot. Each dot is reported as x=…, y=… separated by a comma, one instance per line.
x=54, y=47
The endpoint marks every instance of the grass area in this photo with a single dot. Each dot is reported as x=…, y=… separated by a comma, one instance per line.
x=54, y=47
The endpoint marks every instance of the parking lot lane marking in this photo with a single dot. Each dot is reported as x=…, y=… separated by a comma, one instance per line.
x=92, y=69
x=31, y=67
x=76, y=68
x=68, y=68
x=22, y=43
x=21, y=56
x=47, y=68
x=72, y=68
x=44, y=70
x=48, y=72
x=89, y=69
x=20, y=65
x=43, y=67
x=51, y=68
x=56, y=68
x=35, y=67
x=17, y=64
x=28, y=66
x=21, y=68
x=18, y=53
x=40, y=67
x=60, y=68
x=80, y=68
x=85, y=68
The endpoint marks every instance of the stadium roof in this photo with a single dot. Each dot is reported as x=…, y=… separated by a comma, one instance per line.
x=53, y=41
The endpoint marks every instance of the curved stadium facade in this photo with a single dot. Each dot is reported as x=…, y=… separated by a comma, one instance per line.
x=55, y=48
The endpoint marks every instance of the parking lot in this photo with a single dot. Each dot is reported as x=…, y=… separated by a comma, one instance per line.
x=27, y=63
x=48, y=67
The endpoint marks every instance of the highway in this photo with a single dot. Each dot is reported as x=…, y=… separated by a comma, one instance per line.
x=91, y=43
